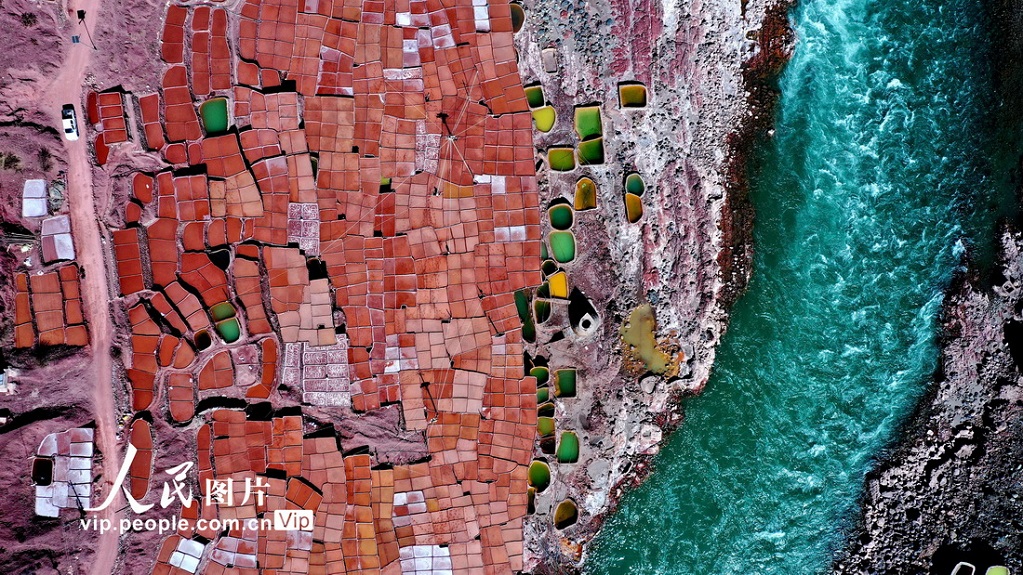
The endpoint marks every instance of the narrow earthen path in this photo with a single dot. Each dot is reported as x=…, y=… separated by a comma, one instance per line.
x=67, y=87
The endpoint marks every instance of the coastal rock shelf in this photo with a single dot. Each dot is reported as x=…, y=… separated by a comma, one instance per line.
x=651, y=223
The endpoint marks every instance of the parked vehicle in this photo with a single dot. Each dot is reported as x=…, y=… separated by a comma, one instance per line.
x=67, y=115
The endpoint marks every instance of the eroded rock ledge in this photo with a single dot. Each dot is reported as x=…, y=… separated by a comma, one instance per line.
x=708, y=69
x=951, y=491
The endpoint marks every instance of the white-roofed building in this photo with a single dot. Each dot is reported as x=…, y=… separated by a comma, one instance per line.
x=34, y=199
x=57, y=241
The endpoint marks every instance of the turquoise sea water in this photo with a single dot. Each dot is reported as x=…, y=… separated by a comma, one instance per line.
x=876, y=178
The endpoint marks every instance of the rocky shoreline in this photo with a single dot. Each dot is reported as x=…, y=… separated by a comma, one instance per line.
x=950, y=488
x=691, y=259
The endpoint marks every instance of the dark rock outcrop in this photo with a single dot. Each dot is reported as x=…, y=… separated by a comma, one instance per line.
x=953, y=489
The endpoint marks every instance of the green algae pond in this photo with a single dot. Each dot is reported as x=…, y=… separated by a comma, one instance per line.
x=525, y=316
x=227, y=324
x=591, y=152
x=541, y=373
x=587, y=122
x=543, y=394
x=561, y=159
x=518, y=16
x=214, y=115
x=534, y=96
x=222, y=311
x=230, y=330
x=632, y=95
x=562, y=246
x=545, y=425
x=539, y=475
x=633, y=208
x=585, y=195
x=544, y=118
x=568, y=447
x=634, y=184
x=564, y=383
x=561, y=216
x=542, y=310
x=566, y=514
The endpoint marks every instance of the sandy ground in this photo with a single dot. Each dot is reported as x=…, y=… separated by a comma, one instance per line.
x=67, y=87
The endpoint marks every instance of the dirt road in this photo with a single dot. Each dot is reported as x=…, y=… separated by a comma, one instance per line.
x=67, y=87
